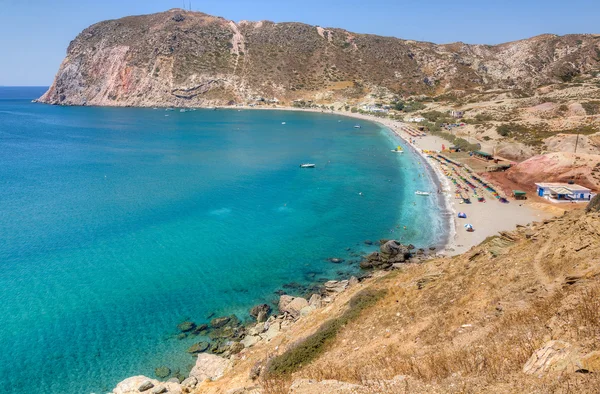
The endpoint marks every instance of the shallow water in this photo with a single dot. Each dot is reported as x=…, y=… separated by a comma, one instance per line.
x=117, y=223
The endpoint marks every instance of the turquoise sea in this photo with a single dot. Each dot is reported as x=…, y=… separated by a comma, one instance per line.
x=116, y=224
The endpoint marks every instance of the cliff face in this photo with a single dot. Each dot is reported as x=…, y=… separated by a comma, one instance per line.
x=179, y=58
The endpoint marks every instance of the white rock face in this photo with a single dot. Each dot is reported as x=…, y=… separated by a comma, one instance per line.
x=209, y=366
x=133, y=385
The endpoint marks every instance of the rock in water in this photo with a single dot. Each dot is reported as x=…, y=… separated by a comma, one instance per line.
x=219, y=322
x=186, y=326
x=198, y=347
x=162, y=372
x=262, y=310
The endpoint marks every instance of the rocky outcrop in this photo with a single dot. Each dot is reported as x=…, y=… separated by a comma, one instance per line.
x=391, y=252
x=558, y=167
x=209, y=366
x=260, y=312
x=142, y=384
x=182, y=58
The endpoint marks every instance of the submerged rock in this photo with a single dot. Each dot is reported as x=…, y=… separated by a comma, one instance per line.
x=219, y=322
x=198, y=347
x=201, y=329
x=335, y=260
x=186, y=326
x=162, y=372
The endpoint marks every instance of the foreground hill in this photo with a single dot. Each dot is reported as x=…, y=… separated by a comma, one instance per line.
x=518, y=313
x=180, y=58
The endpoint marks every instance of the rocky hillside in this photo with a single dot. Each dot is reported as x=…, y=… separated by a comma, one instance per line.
x=179, y=58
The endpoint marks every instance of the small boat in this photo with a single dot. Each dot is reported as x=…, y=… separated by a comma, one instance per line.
x=169, y=109
x=182, y=110
x=398, y=150
x=307, y=165
x=420, y=193
x=357, y=126
x=282, y=122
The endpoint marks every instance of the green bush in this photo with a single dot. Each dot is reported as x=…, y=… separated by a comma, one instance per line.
x=503, y=130
x=314, y=345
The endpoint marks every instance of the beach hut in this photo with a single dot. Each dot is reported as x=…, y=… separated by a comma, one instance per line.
x=519, y=195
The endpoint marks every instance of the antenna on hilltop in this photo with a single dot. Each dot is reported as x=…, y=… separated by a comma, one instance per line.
x=190, y=5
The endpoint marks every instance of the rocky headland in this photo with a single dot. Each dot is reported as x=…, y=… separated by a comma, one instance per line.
x=187, y=59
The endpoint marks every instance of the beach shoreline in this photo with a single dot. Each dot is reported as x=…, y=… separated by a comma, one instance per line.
x=487, y=218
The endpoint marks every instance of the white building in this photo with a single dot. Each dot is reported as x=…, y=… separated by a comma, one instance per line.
x=415, y=120
x=564, y=192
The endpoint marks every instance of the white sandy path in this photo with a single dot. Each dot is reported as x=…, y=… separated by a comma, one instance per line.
x=487, y=218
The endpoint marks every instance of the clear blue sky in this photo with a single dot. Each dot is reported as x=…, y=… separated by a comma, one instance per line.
x=34, y=34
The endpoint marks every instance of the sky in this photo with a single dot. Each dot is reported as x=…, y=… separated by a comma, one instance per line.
x=34, y=34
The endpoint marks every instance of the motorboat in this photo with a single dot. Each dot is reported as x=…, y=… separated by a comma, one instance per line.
x=420, y=193
x=307, y=165
x=357, y=126
x=398, y=149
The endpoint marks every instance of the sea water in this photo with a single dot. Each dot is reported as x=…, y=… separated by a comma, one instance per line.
x=116, y=224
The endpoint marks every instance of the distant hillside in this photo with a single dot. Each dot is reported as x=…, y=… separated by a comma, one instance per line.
x=185, y=58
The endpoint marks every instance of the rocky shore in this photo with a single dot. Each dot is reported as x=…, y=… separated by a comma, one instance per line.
x=225, y=339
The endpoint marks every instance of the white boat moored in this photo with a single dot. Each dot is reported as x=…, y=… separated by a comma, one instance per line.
x=307, y=165
x=420, y=193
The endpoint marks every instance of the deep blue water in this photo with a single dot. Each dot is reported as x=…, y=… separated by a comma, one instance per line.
x=117, y=223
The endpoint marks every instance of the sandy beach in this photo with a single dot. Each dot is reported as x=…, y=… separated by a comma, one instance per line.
x=487, y=218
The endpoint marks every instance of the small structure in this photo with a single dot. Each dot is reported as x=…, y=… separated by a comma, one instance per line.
x=519, y=195
x=457, y=114
x=564, y=192
x=483, y=155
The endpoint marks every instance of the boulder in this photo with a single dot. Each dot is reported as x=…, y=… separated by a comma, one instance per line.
x=145, y=386
x=219, y=322
x=284, y=300
x=261, y=310
x=259, y=328
x=554, y=357
x=353, y=281
x=198, y=347
x=190, y=382
x=262, y=317
x=391, y=247
x=336, y=286
x=162, y=372
x=186, y=326
x=591, y=362
x=293, y=307
x=159, y=390
x=209, y=366
x=315, y=300
x=272, y=332
x=307, y=310
x=236, y=347
x=250, y=340
x=133, y=385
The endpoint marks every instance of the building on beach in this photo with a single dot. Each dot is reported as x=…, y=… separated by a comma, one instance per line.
x=457, y=114
x=564, y=192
